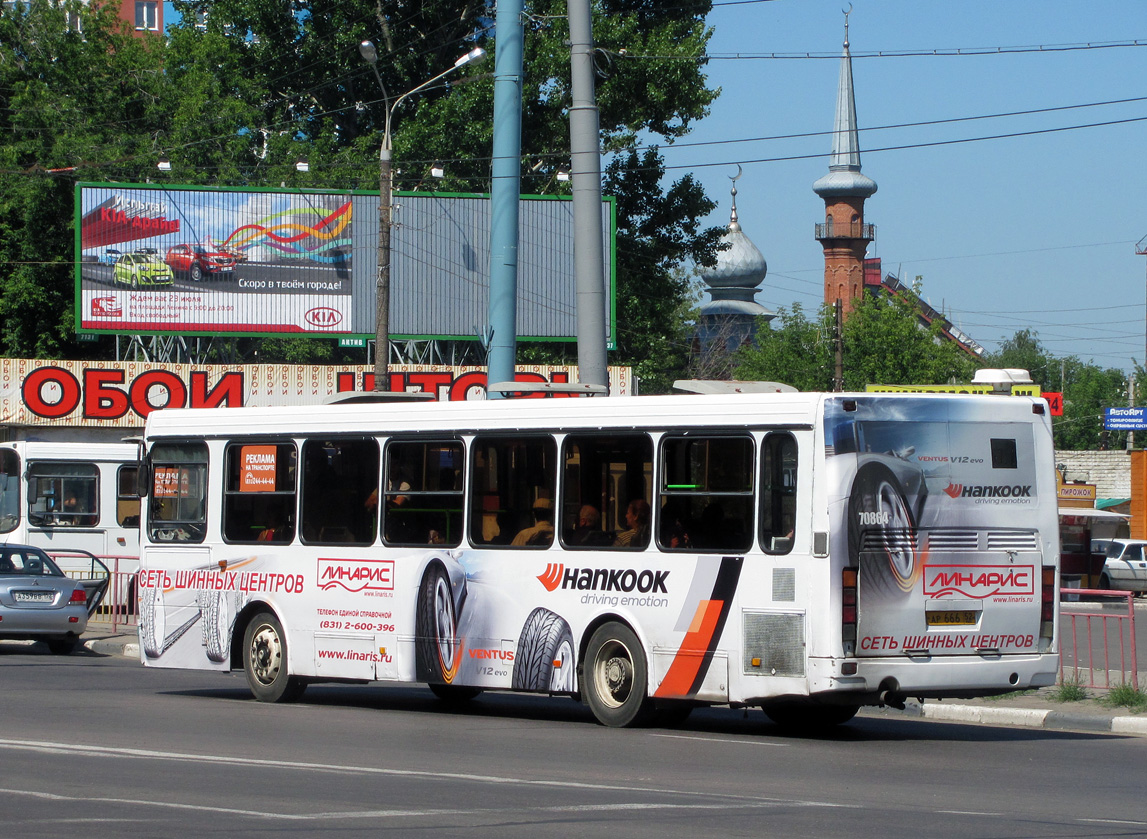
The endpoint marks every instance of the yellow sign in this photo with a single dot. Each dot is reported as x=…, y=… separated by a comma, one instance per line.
x=1017, y=390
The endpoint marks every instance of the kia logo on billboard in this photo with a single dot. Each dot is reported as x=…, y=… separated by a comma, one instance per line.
x=323, y=316
x=106, y=307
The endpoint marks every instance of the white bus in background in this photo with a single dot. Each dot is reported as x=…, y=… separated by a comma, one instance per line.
x=807, y=553
x=74, y=496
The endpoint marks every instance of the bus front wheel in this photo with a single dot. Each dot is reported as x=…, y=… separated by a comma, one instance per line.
x=616, y=676
x=265, y=661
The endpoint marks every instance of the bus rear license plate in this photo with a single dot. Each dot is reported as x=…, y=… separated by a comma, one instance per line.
x=963, y=618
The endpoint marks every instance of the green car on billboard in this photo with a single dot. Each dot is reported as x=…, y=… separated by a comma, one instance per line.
x=142, y=269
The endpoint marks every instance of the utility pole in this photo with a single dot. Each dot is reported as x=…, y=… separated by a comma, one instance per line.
x=505, y=192
x=585, y=159
x=1131, y=404
x=838, y=346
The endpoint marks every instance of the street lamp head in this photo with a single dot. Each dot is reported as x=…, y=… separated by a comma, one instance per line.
x=473, y=57
x=368, y=52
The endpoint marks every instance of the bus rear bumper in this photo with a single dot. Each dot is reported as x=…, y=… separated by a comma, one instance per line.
x=889, y=680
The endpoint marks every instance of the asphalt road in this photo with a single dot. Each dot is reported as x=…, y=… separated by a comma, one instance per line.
x=99, y=746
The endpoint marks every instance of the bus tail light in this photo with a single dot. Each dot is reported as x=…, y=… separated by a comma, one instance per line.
x=1047, y=602
x=848, y=609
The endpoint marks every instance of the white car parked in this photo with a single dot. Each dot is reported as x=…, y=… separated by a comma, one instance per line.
x=1125, y=566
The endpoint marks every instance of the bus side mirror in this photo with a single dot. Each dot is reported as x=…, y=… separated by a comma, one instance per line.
x=143, y=478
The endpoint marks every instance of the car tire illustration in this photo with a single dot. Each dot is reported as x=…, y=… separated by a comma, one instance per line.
x=615, y=679
x=891, y=567
x=218, y=620
x=265, y=661
x=152, y=622
x=197, y=272
x=437, y=646
x=545, y=658
x=135, y=281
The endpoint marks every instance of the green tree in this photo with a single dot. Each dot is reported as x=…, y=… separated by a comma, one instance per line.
x=882, y=341
x=73, y=105
x=1087, y=390
x=792, y=349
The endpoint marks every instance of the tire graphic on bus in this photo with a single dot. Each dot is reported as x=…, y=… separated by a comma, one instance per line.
x=545, y=658
x=882, y=532
x=438, y=649
x=218, y=612
x=151, y=622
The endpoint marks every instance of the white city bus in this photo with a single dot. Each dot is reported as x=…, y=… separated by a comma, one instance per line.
x=73, y=496
x=807, y=553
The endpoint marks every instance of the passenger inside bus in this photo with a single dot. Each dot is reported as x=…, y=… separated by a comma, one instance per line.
x=587, y=530
x=637, y=522
x=542, y=532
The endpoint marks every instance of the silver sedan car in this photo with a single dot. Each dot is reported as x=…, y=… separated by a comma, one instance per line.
x=39, y=602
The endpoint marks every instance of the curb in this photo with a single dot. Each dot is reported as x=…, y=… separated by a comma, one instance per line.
x=1035, y=718
x=106, y=646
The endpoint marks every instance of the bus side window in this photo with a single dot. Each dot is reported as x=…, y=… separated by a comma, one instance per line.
x=63, y=493
x=9, y=490
x=259, y=492
x=177, y=503
x=127, y=496
x=778, y=492
x=607, y=481
x=422, y=504
x=512, y=488
x=340, y=491
x=706, y=493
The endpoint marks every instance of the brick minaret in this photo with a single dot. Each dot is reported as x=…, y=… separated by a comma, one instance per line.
x=844, y=235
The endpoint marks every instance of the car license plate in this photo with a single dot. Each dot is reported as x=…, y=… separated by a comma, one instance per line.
x=952, y=618
x=33, y=596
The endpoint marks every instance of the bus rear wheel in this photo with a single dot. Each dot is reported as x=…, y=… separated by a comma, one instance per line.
x=265, y=661
x=616, y=677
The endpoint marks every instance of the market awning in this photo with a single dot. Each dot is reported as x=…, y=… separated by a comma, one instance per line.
x=1092, y=513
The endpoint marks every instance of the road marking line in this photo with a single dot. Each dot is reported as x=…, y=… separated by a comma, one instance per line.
x=71, y=750
x=721, y=740
x=392, y=814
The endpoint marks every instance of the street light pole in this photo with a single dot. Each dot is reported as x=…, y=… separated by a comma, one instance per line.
x=386, y=206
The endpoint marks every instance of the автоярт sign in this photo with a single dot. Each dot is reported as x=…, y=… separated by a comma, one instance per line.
x=1125, y=419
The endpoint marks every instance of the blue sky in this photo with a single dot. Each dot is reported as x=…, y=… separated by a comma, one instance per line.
x=1031, y=231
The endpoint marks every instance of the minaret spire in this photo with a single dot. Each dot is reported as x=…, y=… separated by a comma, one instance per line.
x=844, y=235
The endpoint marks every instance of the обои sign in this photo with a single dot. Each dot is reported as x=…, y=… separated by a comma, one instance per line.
x=77, y=393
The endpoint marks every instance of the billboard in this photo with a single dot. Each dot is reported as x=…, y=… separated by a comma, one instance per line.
x=118, y=394
x=195, y=261
x=198, y=261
